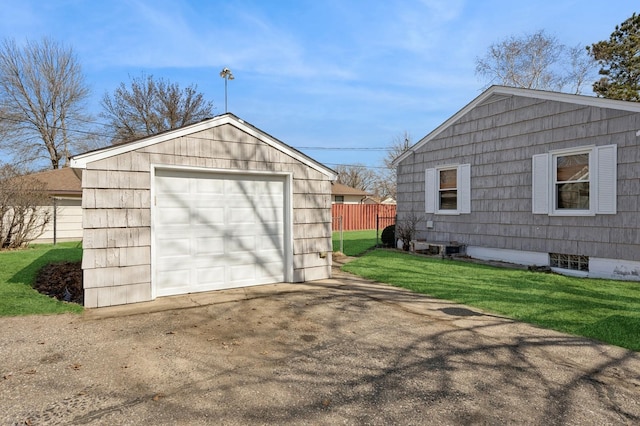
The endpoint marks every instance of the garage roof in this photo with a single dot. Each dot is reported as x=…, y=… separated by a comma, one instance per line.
x=80, y=161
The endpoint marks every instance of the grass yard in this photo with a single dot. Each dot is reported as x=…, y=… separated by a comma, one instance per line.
x=355, y=242
x=604, y=310
x=18, y=270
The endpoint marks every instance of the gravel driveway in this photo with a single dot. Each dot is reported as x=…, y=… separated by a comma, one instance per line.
x=339, y=351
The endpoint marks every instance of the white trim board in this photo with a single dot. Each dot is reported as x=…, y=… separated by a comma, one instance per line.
x=505, y=91
x=80, y=161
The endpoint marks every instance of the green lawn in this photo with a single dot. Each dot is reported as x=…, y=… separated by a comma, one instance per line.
x=355, y=242
x=18, y=269
x=604, y=310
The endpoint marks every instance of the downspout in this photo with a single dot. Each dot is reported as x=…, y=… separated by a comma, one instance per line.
x=55, y=220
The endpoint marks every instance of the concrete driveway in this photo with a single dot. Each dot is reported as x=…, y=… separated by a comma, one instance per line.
x=339, y=351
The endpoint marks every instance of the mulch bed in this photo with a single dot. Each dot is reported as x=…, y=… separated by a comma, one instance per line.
x=62, y=281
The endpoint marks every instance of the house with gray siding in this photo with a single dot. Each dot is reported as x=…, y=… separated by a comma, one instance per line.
x=213, y=205
x=531, y=177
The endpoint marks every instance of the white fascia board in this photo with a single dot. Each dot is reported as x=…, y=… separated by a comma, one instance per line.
x=286, y=149
x=569, y=98
x=529, y=93
x=81, y=161
x=444, y=125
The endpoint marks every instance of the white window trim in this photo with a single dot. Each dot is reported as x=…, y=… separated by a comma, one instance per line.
x=463, y=188
x=593, y=178
x=602, y=181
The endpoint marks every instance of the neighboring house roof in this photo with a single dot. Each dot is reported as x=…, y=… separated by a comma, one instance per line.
x=80, y=161
x=59, y=181
x=379, y=200
x=500, y=92
x=340, y=189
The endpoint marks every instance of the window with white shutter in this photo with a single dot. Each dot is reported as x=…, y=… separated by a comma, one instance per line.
x=607, y=161
x=448, y=189
x=576, y=182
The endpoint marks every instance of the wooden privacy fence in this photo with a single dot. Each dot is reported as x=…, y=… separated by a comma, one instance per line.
x=356, y=217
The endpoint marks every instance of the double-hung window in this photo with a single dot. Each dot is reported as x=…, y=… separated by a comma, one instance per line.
x=575, y=182
x=571, y=181
x=448, y=189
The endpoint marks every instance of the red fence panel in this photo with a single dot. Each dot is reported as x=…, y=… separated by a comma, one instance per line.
x=357, y=217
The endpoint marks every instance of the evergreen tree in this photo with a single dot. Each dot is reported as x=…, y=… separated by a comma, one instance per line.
x=619, y=60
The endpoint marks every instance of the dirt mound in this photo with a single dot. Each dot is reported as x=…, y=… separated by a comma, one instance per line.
x=62, y=281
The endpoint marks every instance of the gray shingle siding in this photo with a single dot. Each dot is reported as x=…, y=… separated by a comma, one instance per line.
x=498, y=138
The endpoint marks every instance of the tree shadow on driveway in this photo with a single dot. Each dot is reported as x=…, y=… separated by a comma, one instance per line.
x=334, y=351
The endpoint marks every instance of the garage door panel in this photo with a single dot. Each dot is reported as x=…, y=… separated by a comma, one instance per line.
x=174, y=282
x=241, y=245
x=210, y=246
x=268, y=203
x=170, y=185
x=208, y=277
x=273, y=187
x=176, y=263
x=243, y=275
x=216, y=231
x=270, y=270
x=239, y=186
x=171, y=247
x=241, y=215
x=209, y=187
x=209, y=216
x=270, y=215
x=269, y=242
x=174, y=216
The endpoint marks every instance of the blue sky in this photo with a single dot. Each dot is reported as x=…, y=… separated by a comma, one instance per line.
x=347, y=76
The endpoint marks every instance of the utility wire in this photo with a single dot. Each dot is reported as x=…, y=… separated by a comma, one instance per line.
x=68, y=129
x=106, y=135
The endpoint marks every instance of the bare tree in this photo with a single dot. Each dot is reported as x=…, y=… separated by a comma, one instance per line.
x=150, y=106
x=357, y=176
x=386, y=185
x=536, y=61
x=42, y=95
x=23, y=209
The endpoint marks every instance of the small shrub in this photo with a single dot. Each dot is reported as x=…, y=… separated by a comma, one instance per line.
x=388, y=236
x=407, y=229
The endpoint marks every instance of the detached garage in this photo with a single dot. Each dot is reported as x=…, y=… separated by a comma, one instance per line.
x=214, y=205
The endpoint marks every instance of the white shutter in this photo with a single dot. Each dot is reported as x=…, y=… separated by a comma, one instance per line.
x=540, y=184
x=430, y=191
x=606, y=171
x=464, y=188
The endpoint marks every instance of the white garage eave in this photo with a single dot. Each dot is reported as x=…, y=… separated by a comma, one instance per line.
x=80, y=161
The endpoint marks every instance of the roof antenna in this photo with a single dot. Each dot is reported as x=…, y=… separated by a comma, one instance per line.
x=227, y=75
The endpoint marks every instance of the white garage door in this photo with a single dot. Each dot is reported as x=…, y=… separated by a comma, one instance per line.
x=215, y=231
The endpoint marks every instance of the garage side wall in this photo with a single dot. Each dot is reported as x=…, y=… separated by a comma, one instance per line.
x=117, y=209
